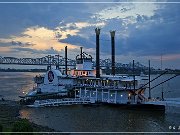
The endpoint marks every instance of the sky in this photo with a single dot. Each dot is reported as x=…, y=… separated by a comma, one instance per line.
x=144, y=31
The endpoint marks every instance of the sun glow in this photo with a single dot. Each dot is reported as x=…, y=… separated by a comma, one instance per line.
x=40, y=38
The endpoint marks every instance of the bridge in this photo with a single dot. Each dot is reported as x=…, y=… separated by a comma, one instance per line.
x=58, y=60
x=47, y=60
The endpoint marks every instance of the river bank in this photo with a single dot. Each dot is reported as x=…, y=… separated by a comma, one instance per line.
x=9, y=115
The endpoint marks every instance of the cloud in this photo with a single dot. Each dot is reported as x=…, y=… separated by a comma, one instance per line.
x=158, y=35
x=40, y=38
x=127, y=12
x=4, y=49
x=21, y=16
x=142, y=30
x=34, y=51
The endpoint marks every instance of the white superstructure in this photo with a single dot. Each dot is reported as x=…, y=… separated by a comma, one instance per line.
x=81, y=82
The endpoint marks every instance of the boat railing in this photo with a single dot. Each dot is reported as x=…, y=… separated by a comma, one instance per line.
x=66, y=100
x=108, y=86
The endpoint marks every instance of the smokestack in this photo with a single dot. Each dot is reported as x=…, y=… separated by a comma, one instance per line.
x=113, y=51
x=66, y=60
x=97, y=30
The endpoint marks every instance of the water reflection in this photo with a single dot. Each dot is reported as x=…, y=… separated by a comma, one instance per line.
x=88, y=119
x=102, y=118
x=13, y=84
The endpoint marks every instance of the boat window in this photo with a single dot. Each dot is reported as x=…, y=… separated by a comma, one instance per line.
x=79, y=61
x=96, y=82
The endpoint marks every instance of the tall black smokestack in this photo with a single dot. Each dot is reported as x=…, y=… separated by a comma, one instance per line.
x=113, y=51
x=66, y=60
x=97, y=30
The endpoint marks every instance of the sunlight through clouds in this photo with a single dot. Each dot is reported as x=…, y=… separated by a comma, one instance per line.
x=142, y=29
x=127, y=12
x=41, y=38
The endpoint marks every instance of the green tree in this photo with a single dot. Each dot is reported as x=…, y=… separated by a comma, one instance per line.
x=22, y=125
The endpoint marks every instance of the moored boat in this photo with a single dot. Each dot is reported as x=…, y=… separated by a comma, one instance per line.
x=85, y=84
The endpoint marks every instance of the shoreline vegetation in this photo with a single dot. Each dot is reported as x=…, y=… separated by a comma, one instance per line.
x=11, y=122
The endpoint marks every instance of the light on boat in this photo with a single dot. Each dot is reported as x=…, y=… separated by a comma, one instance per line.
x=93, y=92
x=129, y=95
x=23, y=92
x=121, y=95
x=111, y=95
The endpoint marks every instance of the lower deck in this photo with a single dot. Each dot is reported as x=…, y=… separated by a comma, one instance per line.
x=110, y=95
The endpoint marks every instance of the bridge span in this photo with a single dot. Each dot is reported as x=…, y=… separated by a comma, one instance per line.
x=56, y=60
x=47, y=60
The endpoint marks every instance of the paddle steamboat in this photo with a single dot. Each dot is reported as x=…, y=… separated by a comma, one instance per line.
x=85, y=84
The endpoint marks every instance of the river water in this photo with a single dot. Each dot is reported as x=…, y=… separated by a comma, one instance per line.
x=95, y=119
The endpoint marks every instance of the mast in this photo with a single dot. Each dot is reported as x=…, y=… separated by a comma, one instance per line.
x=149, y=80
x=66, y=60
x=162, y=90
x=134, y=80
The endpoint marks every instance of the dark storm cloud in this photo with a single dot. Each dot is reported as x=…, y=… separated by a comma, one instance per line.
x=6, y=45
x=16, y=44
x=34, y=51
x=21, y=44
x=157, y=37
x=157, y=34
x=17, y=17
x=154, y=35
x=90, y=42
x=80, y=41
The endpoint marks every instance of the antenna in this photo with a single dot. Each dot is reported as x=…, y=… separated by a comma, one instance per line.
x=134, y=81
x=149, y=80
x=162, y=89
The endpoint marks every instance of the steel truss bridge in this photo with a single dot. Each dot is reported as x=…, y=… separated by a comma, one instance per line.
x=48, y=60
x=58, y=60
